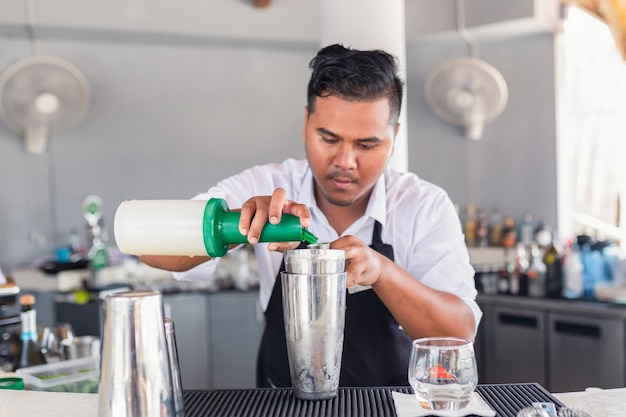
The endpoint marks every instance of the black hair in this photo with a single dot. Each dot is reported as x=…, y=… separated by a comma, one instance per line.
x=355, y=75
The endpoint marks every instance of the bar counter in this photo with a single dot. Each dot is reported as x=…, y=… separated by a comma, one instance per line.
x=600, y=403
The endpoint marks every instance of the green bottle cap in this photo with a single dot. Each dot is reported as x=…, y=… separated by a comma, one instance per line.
x=221, y=229
x=12, y=383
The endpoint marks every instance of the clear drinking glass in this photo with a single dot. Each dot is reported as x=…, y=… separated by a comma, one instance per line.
x=64, y=331
x=52, y=338
x=442, y=372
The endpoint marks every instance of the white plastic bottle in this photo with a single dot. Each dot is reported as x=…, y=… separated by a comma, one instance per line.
x=572, y=273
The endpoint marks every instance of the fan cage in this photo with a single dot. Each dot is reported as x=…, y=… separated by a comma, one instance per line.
x=24, y=64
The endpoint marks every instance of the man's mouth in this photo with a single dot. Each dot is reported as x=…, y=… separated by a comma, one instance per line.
x=341, y=181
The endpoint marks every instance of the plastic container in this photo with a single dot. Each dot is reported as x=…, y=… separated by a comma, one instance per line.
x=192, y=228
x=76, y=375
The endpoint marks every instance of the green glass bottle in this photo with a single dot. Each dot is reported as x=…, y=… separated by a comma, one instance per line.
x=29, y=351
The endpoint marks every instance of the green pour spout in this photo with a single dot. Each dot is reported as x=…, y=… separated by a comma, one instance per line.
x=221, y=229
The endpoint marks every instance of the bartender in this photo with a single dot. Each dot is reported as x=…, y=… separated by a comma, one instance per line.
x=401, y=234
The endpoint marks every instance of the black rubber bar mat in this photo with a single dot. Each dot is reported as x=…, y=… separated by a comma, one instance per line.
x=505, y=399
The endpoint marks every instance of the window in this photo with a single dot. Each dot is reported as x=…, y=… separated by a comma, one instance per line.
x=592, y=130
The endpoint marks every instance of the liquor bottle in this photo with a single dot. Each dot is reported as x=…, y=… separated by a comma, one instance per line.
x=526, y=230
x=505, y=282
x=495, y=227
x=482, y=229
x=470, y=226
x=536, y=273
x=509, y=234
x=519, y=276
x=553, y=259
x=503, y=285
x=29, y=351
x=572, y=272
x=543, y=235
x=489, y=279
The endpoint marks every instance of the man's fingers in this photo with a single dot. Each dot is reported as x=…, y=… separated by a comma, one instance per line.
x=257, y=211
x=247, y=212
x=279, y=198
x=302, y=212
x=282, y=246
x=258, y=221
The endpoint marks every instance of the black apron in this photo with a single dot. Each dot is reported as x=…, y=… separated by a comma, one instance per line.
x=375, y=350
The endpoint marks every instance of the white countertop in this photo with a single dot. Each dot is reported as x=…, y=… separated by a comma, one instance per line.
x=35, y=279
x=47, y=404
x=599, y=403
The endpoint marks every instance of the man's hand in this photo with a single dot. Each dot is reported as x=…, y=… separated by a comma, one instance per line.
x=364, y=266
x=257, y=211
x=421, y=310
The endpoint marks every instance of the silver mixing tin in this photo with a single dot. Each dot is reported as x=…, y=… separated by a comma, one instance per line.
x=318, y=258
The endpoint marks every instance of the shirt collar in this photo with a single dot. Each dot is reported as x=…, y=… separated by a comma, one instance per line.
x=376, y=207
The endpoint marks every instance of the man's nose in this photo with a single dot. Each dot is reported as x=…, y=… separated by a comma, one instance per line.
x=345, y=158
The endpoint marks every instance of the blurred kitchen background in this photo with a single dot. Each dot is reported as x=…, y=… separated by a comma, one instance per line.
x=185, y=93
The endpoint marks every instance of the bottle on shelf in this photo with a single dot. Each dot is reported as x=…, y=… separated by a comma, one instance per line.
x=482, y=229
x=553, y=259
x=29, y=352
x=470, y=225
x=509, y=234
x=536, y=273
x=526, y=230
x=519, y=276
x=591, y=261
x=489, y=279
x=543, y=235
x=495, y=227
x=505, y=284
x=572, y=272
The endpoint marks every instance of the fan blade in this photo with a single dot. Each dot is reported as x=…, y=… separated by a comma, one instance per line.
x=467, y=92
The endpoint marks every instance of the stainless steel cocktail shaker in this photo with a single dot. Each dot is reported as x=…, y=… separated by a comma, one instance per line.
x=314, y=302
x=172, y=351
x=135, y=374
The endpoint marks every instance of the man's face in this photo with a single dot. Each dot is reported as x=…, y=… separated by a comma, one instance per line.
x=348, y=144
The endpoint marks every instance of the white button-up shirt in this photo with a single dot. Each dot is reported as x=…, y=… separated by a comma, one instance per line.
x=418, y=220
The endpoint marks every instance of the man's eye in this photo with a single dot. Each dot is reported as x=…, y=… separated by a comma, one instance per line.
x=329, y=140
x=366, y=146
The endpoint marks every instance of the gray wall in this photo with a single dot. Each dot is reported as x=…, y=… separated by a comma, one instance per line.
x=185, y=95
x=513, y=164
